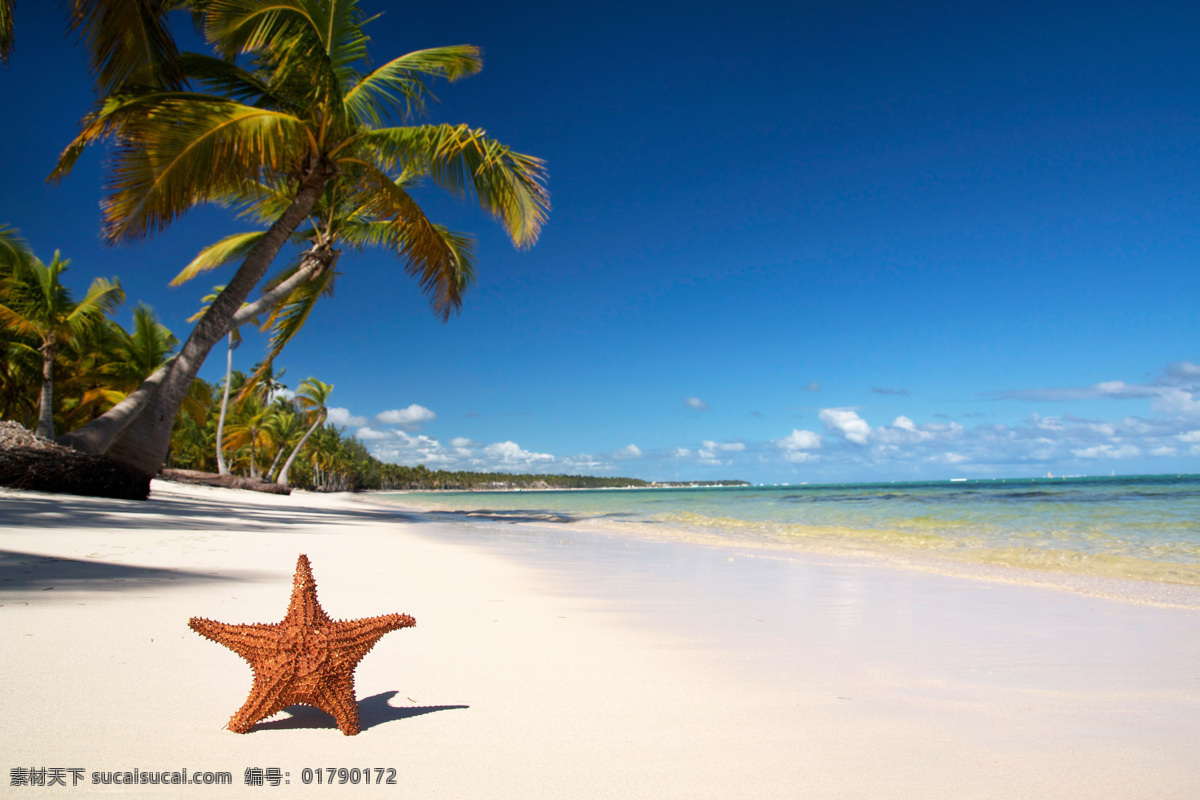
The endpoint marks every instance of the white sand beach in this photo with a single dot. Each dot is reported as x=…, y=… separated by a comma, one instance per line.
x=549, y=662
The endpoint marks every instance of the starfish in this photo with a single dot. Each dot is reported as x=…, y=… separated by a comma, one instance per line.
x=307, y=659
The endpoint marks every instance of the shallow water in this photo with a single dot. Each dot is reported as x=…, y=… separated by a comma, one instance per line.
x=1144, y=527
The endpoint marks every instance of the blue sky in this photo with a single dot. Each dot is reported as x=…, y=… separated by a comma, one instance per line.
x=804, y=242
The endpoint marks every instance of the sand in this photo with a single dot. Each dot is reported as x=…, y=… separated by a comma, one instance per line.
x=553, y=662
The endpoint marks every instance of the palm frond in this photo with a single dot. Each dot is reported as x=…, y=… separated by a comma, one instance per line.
x=287, y=318
x=182, y=153
x=397, y=88
x=13, y=249
x=227, y=79
x=6, y=33
x=440, y=260
x=229, y=249
x=463, y=160
x=102, y=298
x=129, y=42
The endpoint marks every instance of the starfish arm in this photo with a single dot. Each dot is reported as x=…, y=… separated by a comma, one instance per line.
x=270, y=695
x=351, y=640
x=335, y=696
x=304, y=607
x=248, y=641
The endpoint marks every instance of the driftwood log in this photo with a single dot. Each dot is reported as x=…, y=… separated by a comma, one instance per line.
x=224, y=481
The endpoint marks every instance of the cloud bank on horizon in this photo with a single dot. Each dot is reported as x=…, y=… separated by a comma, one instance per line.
x=1160, y=437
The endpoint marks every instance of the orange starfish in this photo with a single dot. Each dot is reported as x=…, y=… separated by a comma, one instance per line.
x=307, y=659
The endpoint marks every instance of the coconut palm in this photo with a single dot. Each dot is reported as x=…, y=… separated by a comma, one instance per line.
x=140, y=352
x=35, y=303
x=235, y=340
x=301, y=117
x=310, y=396
x=111, y=362
x=247, y=429
x=283, y=429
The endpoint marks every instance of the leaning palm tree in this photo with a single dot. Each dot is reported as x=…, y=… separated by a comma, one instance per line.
x=35, y=303
x=311, y=396
x=302, y=117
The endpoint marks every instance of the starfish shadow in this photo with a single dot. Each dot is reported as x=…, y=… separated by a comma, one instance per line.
x=372, y=711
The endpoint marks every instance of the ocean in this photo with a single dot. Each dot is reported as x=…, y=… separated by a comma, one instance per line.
x=1143, y=526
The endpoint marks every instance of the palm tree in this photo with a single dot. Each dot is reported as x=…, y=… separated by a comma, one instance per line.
x=310, y=396
x=35, y=303
x=140, y=352
x=302, y=117
x=235, y=339
x=111, y=363
x=283, y=429
x=247, y=429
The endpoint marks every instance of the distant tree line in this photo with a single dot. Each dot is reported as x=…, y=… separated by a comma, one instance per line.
x=396, y=477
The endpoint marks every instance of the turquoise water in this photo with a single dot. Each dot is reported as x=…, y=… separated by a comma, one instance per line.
x=1135, y=526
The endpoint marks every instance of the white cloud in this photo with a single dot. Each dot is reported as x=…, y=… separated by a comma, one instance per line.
x=799, y=456
x=681, y=452
x=462, y=441
x=629, y=451
x=799, y=440
x=697, y=403
x=342, y=418
x=511, y=454
x=902, y=431
x=409, y=419
x=1108, y=451
x=1176, y=401
x=726, y=447
x=1189, y=437
x=846, y=422
x=369, y=434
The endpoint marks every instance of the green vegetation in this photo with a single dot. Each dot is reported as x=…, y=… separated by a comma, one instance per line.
x=392, y=476
x=289, y=121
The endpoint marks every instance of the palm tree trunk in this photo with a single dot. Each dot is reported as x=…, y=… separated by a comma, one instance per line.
x=274, y=463
x=45, y=426
x=222, y=467
x=287, y=465
x=143, y=442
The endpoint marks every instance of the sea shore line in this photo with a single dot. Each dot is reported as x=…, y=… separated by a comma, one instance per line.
x=1150, y=592
x=558, y=661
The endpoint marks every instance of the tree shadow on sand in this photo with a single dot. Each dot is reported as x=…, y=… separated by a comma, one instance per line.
x=35, y=572
x=372, y=711
x=66, y=511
